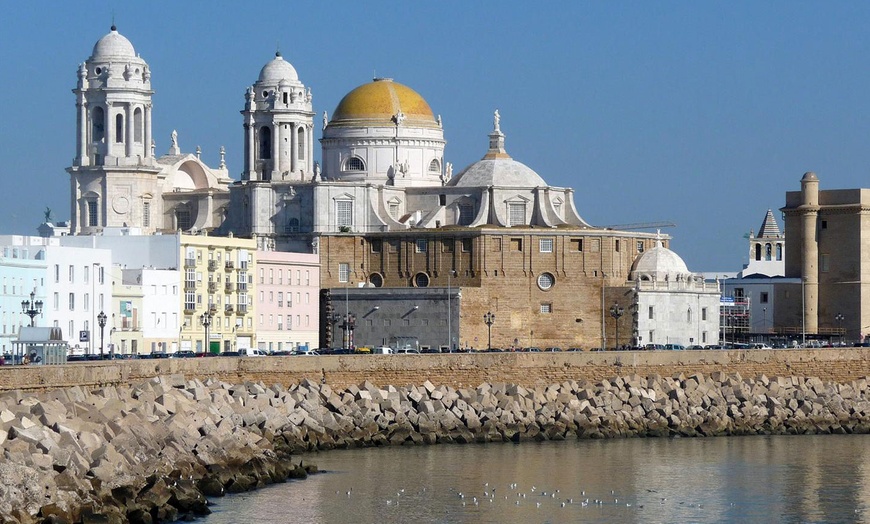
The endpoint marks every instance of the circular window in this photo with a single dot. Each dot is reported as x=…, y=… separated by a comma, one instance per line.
x=421, y=280
x=546, y=281
x=376, y=279
x=98, y=70
x=265, y=94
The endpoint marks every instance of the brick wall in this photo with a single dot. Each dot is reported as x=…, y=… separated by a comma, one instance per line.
x=456, y=370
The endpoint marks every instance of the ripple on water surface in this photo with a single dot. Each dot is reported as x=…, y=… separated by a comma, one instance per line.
x=727, y=479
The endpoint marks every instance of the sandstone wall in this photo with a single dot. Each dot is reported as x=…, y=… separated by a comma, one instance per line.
x=454, y=370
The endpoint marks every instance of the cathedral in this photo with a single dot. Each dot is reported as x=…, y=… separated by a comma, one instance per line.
x=383, y=210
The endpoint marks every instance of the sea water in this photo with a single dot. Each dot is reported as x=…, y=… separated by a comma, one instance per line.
x=799, y=479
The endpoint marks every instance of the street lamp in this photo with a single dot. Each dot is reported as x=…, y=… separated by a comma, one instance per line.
x=206, y=319
x=839, y=318
x=31, y=308
x=489, y=319
x=616, y=311
x=101, y=320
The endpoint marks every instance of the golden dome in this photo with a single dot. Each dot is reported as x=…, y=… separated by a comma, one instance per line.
x=377, y=103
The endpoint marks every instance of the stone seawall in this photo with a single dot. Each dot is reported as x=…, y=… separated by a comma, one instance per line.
x=454, y=370
x=151, y=452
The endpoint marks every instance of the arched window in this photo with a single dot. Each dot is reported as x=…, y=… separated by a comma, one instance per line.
x=119, y=128
x=757, y=251
x=300, y=143
x=98, y=124
x=137, y=125
x=779, y=252
x=354, y=163
x=265, y=143
x=293, y=225
x=768, y=252
x=434, y=166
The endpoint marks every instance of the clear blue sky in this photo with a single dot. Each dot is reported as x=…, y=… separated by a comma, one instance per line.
x=699, y=113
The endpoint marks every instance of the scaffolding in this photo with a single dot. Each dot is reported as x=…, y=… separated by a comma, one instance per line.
x=734, y=319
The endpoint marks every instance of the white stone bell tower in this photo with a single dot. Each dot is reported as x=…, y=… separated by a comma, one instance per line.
x=278, y=121
x=113, y=133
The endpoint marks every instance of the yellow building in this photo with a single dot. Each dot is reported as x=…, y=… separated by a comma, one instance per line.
x=217, y=283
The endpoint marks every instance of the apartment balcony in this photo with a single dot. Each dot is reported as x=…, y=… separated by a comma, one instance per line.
x=242, y=310
x=189, y=262
x=212, y=287
x=212, y=265
x=228, y=308
x=229, y=287
x=229, y=265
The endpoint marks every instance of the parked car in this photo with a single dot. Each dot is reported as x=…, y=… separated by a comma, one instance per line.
x=654, y=347
x=675, y=347
x=695, y=346
x=574, y=350
x=407, y=351
x=554, y=349
x=531, y=350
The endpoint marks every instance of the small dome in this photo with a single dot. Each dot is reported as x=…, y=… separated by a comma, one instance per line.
x=377, y=104
x=659, y=263
x=278, y=70
x=113, y=46
x=497, y=169
x=498, y=172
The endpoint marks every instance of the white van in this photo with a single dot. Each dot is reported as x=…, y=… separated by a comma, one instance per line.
x=383, y=350
x=251, y=352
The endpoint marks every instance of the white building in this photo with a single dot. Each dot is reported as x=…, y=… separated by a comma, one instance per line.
x=117, y=179
x=22, y=272
x=673, y=305
x=76, y=289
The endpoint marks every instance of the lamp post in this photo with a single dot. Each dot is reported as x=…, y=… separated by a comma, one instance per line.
x=31, y=308
x=101, y=321
x=616, y=311
x=489, y=319
x=839, y=318
x=206, y=319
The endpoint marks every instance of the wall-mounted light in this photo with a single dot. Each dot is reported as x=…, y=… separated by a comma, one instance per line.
x=416, y=307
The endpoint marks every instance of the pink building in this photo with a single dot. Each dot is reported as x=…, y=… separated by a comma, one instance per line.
x=288, y=287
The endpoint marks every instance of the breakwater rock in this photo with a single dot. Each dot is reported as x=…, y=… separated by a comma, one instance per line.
x=146, y=453
x=151, y=452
